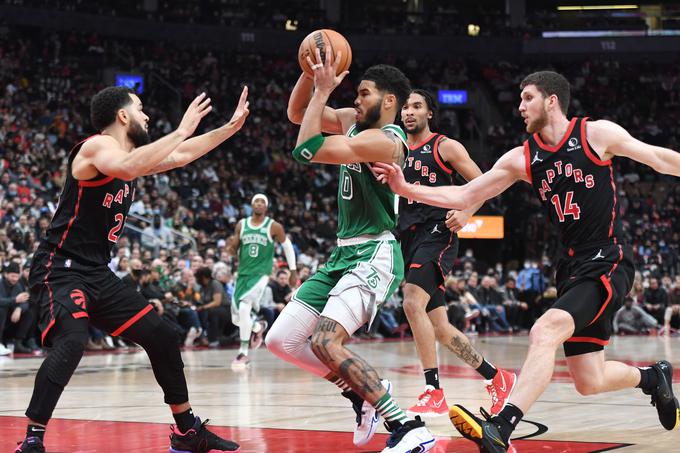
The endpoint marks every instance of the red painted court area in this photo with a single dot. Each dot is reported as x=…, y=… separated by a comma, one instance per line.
x=83, y=436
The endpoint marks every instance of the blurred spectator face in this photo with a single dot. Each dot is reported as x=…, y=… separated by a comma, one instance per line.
x=12, y=278
x=510, y=283
x=533, y=109
x=282, y=278
x=209, y=262
x=653, y=284
x=487, y=281
x=415, y=114
x=196, y=262
x=628, y=303
x=473, y=280
x=123, y=264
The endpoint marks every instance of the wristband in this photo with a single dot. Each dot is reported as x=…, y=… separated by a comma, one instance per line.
x=305, y=152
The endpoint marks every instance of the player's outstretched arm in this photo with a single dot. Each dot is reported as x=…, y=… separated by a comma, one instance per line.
x=616, y=141
x=509, y=168
x=196, y=147
x=105, y=154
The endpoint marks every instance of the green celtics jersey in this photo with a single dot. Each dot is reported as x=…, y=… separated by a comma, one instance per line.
x=256, y=253
x=365, y=206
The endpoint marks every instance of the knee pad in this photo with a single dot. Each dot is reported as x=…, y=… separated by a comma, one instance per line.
x=63, y=361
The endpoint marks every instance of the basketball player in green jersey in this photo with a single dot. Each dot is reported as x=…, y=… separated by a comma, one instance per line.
x=254, y=240
x=367, y=266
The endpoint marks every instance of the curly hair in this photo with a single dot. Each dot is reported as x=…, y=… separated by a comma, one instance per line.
x=106, y=104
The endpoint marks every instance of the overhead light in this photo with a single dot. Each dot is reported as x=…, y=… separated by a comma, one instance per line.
x=595, y=7
x=291, y=25
x=473, y=30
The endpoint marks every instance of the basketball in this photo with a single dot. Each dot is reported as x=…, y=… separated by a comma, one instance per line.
x=325, y=40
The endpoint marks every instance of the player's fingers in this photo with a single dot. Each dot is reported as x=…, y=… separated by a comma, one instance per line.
x=204, y=104
x=310, y=63
x=197, y=99
x=244, y=95
x=204, y=112
x=336, y=59
x=318, y=56
x=342, y=76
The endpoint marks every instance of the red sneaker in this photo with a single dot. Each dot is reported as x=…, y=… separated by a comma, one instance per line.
x=500, y=388
x=431, y=403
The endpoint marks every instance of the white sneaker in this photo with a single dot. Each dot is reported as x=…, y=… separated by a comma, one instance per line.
x=368, y=419
x=411, y=437
x=191, y=337
x=4, y=350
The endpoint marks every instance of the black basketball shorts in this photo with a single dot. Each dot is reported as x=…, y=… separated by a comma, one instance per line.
x=592, y=284
x=429, y=250
x=60, y=285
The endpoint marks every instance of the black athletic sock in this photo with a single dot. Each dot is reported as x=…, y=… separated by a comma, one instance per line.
x=353, y=397
x=393, y=425
x=507, y=420
x=649, y=378
x=487, y=370
x=185, y=420
x=35, y=431
x=432, y=377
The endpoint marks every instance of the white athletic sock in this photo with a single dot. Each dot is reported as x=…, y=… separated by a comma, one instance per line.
x=245, y=326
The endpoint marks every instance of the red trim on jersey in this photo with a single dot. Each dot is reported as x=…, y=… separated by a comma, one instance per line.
x=438, y=158
x=442, y=288
x=611, y=225
x=588, y=340
x=80, y=314
x=132, y=320
x=617, y=262
x=51, y=260
x=589, y=152
x=439, y=260
x=415, y=266
x=527, y=160
x=97, y=183
x=608, y=287
x=415, y=147
x=553, y=149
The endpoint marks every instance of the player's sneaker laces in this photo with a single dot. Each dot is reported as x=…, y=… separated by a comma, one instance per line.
x=500, y=388
x=257, y=336
x=431, y=403
x=30, y=445
x=662, y=396
x=367, y=419
x=484, y=433
x=241, y=362
x=199, y=440
x=411, y=437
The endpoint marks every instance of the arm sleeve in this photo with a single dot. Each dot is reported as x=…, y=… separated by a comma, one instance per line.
x=289, y=253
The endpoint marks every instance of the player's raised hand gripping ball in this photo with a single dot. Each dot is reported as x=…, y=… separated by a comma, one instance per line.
x=326, y=41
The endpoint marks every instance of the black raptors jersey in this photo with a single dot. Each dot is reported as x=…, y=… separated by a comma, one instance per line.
x=89, y=218
x=424, y=166
x=576, y=187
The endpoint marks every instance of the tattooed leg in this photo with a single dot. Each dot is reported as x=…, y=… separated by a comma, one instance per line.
x=328, y=345
x=453, y=339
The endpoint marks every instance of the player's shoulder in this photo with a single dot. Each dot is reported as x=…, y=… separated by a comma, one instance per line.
x=98, y=142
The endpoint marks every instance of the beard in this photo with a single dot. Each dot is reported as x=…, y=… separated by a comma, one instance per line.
x=538, y=124
x=415, y=129
x=372, y=116
x=137, y=135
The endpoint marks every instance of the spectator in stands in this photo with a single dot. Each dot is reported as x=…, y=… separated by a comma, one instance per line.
x=212, y=308
x=279, y=295
x=516, y=310
x=491, y=301
x=13, y=300
x=656, y=300
x=631, y=319
x=157, y=236
x=25, y=318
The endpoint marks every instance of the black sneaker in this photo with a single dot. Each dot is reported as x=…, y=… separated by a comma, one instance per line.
x=411, y=436
x=662, y=396
x=199, y=440
x=484, y=433
x=30, y=445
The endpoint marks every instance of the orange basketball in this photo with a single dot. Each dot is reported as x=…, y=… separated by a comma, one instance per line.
x=327, y=41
